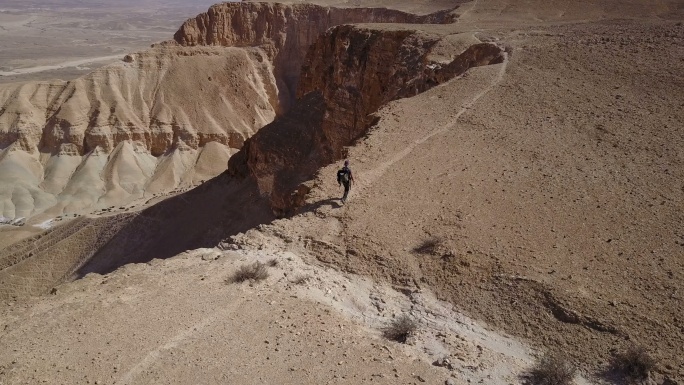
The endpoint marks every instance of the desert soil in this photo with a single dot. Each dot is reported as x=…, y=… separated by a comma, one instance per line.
x=525, y=206
x=65, y=39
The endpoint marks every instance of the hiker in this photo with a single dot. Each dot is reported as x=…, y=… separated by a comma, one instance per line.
x=345, y=177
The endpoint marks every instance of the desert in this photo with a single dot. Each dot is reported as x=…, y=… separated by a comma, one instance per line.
x=173, y=215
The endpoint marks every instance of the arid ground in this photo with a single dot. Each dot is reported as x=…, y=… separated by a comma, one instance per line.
x=518, y=190
x=45, y=40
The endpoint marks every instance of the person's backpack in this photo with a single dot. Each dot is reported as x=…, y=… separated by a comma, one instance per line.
x=343, y=175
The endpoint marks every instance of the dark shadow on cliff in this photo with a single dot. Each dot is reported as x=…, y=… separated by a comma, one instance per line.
x=286, y=153
x=202, y=217
x=233, y=202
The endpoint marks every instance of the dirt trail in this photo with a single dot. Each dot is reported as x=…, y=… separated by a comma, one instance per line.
x=367, y=177
x=67, y=64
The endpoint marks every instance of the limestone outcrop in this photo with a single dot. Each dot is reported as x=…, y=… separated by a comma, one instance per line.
x=163, y=98
x=166, y=118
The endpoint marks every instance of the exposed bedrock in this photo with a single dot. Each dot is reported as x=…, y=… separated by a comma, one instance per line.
x=285, y=32
x=349, y=73
x=229, y=72
x=160, y=97
x=166, y=118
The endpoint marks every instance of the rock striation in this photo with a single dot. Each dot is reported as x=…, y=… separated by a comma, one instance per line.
x=161, y=119
x=163, y=98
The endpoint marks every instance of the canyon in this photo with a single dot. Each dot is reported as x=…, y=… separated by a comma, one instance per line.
x=516, y=165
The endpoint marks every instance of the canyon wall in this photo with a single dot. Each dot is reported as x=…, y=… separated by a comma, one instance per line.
x=350, y=72
x=162, y=119
x=285, y=32
x=160, y=98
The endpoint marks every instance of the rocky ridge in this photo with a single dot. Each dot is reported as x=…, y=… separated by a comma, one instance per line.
x=349, y=73
x=130, y=149
x=130, y=130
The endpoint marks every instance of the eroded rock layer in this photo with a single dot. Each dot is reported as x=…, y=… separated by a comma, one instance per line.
x=160, y=97
x=141, y=126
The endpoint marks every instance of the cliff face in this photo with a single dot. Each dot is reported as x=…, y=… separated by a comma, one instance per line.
x=358, y=70
x=350, y=72
x=285, y=32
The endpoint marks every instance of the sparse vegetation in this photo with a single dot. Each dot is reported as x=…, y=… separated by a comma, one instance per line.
x=253, y=272
x=301, y=279
x=400, y=329
x=272, y=262
x=430, y=246
x=552, y=369
x=635, y=363
x=508, y=49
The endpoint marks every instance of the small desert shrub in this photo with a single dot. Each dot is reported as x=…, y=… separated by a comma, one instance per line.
x=508, y=49
x=634, y=363
x=430, y=246
x=272, y=262
x=552, y=369
x=301, y=279
x=400, y=329
x=254, y=272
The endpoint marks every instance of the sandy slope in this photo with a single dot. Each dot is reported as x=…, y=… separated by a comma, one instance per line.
x=178, y=321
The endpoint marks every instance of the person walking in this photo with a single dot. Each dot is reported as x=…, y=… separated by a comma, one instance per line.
x=346, y=178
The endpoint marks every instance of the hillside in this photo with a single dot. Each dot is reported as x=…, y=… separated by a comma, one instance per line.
x=518, y=183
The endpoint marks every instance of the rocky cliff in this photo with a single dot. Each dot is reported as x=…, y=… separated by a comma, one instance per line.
x=161, y=119
x=162, y=98
x=285, y=32
x=164, y=118
x=350, y=72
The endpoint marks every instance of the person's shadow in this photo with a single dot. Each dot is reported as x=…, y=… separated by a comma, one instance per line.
x=332, y=202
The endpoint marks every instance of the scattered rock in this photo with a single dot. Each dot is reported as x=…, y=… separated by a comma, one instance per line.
x=211, y=256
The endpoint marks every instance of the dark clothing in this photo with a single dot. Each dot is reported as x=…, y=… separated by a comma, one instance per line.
x=347, y=186
x=345, y=171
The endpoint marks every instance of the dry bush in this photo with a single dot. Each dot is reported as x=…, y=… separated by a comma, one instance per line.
x=635, y=363
x=272, y=262
x=552, y=369
x=508, y=49
x=301, y=279
x=400, y=329
x=430, y=246
x=254, y=272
